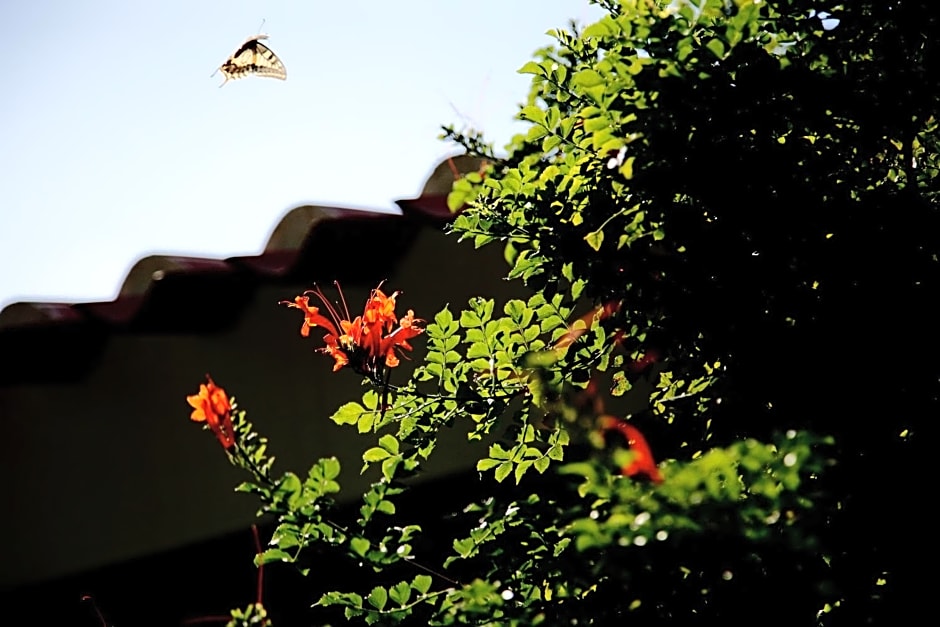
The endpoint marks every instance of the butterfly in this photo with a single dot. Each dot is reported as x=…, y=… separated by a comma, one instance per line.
x=252, y=57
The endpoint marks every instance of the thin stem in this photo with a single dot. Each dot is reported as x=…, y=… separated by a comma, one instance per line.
x=441, y=397
x=94, y=605
x=206, y=619
x=679, y=397
x=408, y=606
x=254, y=531
x=412, y=561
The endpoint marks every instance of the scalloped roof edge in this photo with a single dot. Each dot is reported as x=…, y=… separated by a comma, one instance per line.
x=292, y=241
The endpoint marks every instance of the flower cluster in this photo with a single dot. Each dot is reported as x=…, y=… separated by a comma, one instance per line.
x=211, y=405
x=366, y=343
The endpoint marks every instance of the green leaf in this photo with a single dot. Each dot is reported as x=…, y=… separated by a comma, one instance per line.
x=481, y=240
x=515, y=309
x=289, y=484
x=533, y=114
x=389, y=466
x=470, y=319
x=521, y=468
x=370, y=399
x=456, y=199
x=464, y=547
x=348, y=414
x=593, y=125
x=553, y=117
x=444, y=318
x=531, y=333
x=273, y=555
x=331, y=467
x=577, y=287
x=378, y=597
x=626, y=170
x=366, y=422
x=550, y=143
x=389, y=443
x=400, y=593
x=556, y=452
x=492, y=328
x=498, y=452
x=717, y=47
x=422, y=583
x=542, y=464
x=486, y=464
x=359, y=546
x=247, y=486
x=587, y=78
x=621, y=385
x=478, y=349
x=595, y=239
x=531, y=68
x=375, y=454
x=599, y=29
x=286, y=536
x=503, y=470
x=340, y=598
x=536, y=133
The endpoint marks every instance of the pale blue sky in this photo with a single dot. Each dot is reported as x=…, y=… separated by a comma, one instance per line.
x=115, y=142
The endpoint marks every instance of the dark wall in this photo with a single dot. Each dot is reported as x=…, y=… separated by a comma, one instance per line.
x=109, y=468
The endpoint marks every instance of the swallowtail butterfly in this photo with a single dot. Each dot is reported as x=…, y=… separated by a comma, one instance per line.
x=252, y=57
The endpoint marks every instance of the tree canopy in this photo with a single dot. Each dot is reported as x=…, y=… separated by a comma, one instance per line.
x=756, y=184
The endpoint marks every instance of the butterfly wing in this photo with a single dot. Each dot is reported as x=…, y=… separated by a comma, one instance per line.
x=253, y=57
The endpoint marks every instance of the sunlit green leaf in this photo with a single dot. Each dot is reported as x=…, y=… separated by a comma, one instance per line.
x=378, y=597
x=595, y=239
x=348, y=414
x=503, y=470
x=375, y=454
x=422, y=583
x=359, y=546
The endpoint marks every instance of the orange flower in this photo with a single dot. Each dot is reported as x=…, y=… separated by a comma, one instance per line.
x=642, y=464
x=212, y=406
x=312, y=315
x=601, y=312
x=367, y=342
x=646, y=360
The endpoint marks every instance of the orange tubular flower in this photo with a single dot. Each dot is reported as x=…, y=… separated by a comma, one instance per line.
x=368, y=342
x=312, y=316
x=643, y=464
x=212, y=406
x=601, y=312
x=650, y=356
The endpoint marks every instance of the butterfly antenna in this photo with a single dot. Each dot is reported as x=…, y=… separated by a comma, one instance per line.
x=262, y=26
x=481, y=97
x=467, y=122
